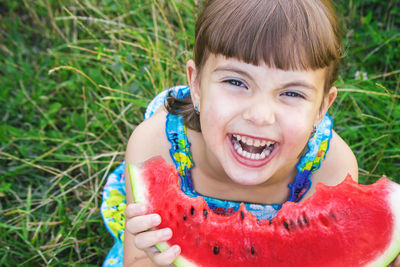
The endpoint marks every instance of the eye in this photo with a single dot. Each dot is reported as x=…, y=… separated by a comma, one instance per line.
x=292, y=94
x=235, y=82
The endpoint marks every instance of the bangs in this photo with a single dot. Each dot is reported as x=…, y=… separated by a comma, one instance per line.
x=284, y=34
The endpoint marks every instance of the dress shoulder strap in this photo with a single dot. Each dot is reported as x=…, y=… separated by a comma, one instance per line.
x=179, y=91
x=318, y=146
x=180, y=147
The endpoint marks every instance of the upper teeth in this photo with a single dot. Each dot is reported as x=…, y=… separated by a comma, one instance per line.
x=253, y=142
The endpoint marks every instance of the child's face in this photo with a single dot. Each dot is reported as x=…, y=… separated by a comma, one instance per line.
x=256, y=120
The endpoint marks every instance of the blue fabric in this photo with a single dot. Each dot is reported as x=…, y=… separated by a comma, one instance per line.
x=113, y=212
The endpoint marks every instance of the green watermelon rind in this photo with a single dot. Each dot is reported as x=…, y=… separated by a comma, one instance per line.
x=179, y=261
x=137, y=185
x=140, y=196
x=393, y=249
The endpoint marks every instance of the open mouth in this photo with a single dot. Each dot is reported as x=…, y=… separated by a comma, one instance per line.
x=252, y=148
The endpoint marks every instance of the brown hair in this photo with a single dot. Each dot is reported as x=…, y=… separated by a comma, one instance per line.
x=284, y=34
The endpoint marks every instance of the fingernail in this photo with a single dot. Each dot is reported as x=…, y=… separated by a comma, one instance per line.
x=156, y=219
x=176, y=250
x=166, y=233
x=141, y=209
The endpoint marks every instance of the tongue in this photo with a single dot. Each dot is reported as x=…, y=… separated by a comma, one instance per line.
x=252, y=149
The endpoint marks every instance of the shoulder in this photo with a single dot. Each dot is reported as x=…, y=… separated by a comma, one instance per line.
x=148, y=139
x=339, y=162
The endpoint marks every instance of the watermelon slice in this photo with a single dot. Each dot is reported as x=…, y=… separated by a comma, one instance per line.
x=345, y=225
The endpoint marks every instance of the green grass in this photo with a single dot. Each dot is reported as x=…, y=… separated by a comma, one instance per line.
x=75, y=79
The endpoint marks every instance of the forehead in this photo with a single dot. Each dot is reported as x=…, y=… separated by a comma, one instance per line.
x=262, y=74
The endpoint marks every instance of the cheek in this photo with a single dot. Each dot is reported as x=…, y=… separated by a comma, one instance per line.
x=215, y=119
x=216, y=111
x=212, y=120
x=296, y=135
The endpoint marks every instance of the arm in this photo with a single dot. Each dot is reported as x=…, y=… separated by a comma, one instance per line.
x=145, y=142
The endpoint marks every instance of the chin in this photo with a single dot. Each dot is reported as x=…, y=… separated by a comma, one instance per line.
x=246, y=179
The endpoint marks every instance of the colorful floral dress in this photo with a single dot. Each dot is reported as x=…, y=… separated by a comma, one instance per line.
x=114, y=200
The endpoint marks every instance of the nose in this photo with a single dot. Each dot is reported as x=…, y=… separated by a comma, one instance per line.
x=260, y=112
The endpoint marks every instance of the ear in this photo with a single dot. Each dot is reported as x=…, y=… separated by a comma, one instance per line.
x=327, y=102
x=194, y=82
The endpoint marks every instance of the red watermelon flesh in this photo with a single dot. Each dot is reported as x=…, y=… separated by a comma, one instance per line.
x=345, y=225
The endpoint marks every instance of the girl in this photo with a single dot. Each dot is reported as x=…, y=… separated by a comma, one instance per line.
x=252, y=125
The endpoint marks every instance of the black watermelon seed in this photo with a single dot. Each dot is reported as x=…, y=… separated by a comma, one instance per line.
x=292, y=224
x=184, y=217
x=333, y=216
x=270, y=222
x=242, y=215
x=286, y=225
x=252, y=251
x=305, y=220
x=216, y=250
x=299, y=222
x=192, y=211
x=205, y=213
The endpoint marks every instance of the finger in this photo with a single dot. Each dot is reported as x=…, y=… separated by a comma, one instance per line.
x=135, y=209
x=148, y=239
x=142, y=223
x=396, y=262
x=168, y=256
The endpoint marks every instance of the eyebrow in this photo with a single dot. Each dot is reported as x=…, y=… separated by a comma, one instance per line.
x=232, y=69
x=299, y=84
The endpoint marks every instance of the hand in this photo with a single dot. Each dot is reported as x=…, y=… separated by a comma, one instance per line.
x=395, y=262
x=140, y=224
